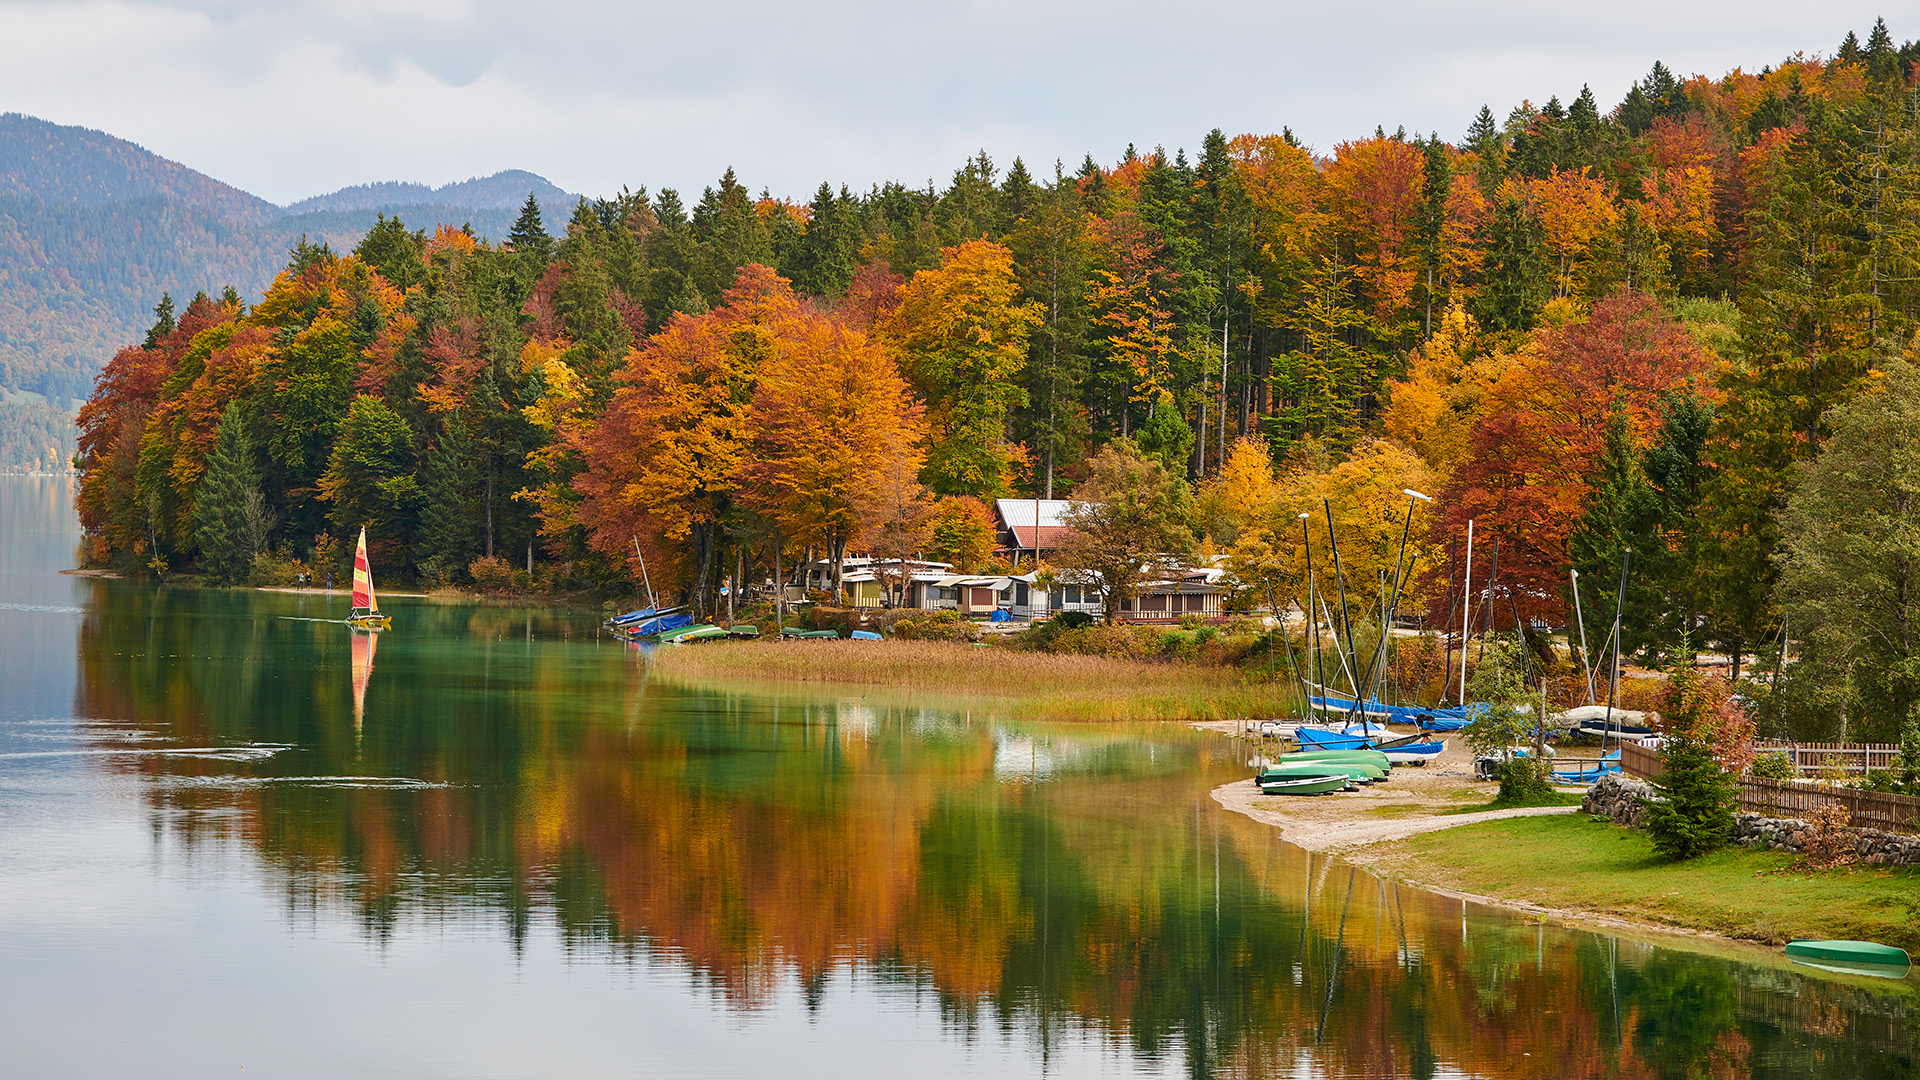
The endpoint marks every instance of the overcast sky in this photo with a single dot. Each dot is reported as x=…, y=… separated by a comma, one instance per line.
x=301, y=97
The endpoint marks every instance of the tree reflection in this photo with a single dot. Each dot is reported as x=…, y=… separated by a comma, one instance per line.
x=508, y=770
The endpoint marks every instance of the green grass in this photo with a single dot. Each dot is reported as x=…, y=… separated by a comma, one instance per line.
x=1576, y=863
x=1552, y=798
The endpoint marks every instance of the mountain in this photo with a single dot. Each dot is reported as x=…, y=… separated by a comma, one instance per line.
x=500, y=191
x=75, y=166
x=93, y=229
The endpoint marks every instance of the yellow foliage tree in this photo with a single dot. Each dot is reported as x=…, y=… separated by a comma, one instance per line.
x=962, y=330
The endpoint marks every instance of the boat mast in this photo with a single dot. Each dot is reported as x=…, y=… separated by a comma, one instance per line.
x=1346, y=614
x=1466, y=613
x=1586, y=664
x=1613, y=683
x=651, y=602
x=1312, y=613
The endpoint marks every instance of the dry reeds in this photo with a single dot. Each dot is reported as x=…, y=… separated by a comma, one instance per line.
x=1032, y=686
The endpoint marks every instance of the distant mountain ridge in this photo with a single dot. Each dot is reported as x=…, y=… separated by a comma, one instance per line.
x=502, y=190
x=93, y=229
x=75, y=166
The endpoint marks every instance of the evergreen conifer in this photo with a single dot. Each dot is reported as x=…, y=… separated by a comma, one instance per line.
x=220, y=506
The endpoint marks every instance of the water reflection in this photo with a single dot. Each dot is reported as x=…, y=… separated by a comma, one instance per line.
x=509, y=772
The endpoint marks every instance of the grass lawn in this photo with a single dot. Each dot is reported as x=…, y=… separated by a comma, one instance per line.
x=1553, y=798
x=1575, y=863
x=1032, y=686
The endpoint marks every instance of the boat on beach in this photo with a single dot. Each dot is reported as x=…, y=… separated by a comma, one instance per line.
x=1304, y=785
x=1850, y=953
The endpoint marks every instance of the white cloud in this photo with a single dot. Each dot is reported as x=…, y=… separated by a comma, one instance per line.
x=292, y=99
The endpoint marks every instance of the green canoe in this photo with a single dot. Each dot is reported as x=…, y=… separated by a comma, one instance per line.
x=1358, y=770
x=743, y=630
x=798, y=634
x=688, y=634
x=1370, y=757
x=1305, y=785
x=1848, y=952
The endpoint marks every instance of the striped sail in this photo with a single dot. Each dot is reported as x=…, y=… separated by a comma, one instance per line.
x=362, y=576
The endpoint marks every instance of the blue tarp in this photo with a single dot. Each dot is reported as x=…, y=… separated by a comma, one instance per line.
x=658, y=624
x=1431, y=719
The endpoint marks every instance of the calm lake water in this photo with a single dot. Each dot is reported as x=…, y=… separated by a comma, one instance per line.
x=237, y=843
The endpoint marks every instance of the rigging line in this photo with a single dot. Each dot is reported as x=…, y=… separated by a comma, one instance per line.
x=1344, y=670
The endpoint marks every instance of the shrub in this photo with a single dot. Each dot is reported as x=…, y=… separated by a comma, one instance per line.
x=1830, y=845
x=276, y=569
x=1071, y=620
x=1113, y=642
x=497, y=577
x=1774, y=767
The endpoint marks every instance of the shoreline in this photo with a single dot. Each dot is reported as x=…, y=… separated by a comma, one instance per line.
x=1348, y=843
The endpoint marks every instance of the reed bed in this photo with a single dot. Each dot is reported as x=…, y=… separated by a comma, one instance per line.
x=1030, y=686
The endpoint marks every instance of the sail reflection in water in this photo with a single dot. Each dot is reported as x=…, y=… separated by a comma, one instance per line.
x=364, y=644
x=1071, y=896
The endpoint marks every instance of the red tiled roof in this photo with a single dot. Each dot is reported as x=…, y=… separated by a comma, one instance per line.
x=1050, y=536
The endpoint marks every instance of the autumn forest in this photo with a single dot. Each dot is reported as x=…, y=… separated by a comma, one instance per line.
x=1586, y=326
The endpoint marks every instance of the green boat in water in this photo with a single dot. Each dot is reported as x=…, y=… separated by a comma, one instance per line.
x=1852, y=957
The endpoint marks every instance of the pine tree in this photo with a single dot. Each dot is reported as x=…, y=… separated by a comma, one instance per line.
x=1882, y=60
x=1518, y=277
x=1696, y=816
x=1486, y=141
x=1432, y=223
x=1622, y=512
x=528, y=236
x=447, y=532
x=163, y=321
x=220, y=506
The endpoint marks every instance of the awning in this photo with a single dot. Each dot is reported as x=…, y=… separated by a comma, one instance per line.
x=950, y=581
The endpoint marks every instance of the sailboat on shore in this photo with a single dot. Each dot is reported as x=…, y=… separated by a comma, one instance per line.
x=364, y=613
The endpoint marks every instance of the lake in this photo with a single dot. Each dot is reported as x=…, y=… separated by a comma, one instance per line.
x=237, y=840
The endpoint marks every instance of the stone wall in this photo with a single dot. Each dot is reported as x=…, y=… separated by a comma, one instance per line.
x=1621, y=799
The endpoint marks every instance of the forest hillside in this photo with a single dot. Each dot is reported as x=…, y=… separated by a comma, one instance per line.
x=93, y=228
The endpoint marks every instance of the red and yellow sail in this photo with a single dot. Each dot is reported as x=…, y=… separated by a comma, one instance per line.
x=362, y=576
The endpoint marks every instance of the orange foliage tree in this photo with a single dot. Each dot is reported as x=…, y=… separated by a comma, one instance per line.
x=1543, y=429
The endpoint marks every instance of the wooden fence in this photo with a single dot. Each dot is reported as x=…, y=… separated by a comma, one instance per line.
x=1639, y=761
x=1798, y=799
x=1849, y=759
x=1817, y=760
x=1865, y=809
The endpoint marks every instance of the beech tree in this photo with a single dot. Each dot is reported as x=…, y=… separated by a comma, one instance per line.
x=830, y=413
x=962, y=329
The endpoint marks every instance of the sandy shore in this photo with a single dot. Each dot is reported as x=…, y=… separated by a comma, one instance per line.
x=1413, y=800
x=1327, y=832
x=1360, y=825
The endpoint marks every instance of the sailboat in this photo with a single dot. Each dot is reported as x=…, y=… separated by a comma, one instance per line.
x=364, y=614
